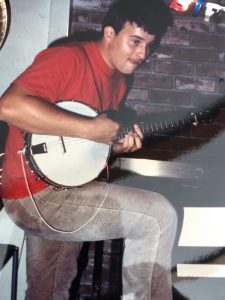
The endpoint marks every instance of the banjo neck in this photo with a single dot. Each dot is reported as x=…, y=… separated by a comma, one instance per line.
x=165, y=126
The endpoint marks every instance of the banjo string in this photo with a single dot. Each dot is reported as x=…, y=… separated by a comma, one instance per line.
x=56, y=144
x=40, y=214
x=69, y=142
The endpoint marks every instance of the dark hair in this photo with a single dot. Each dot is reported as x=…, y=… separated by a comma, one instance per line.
x=154, y=16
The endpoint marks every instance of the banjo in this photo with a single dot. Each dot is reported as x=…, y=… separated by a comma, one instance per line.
x=67, y=162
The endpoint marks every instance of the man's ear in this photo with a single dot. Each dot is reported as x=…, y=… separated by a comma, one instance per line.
x=108, y=33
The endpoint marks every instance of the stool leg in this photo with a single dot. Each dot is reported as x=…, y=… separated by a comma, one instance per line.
x=97, y=272
x=15, y=263
x=115, y=276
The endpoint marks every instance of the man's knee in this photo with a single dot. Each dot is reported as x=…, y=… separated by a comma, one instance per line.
x=163, y=211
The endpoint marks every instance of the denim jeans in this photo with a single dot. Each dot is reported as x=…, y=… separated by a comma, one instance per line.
x=97, y=211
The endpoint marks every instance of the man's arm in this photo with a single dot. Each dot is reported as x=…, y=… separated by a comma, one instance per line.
x=21, y=109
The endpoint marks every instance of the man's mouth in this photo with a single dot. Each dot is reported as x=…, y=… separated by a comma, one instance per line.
x=136, y=62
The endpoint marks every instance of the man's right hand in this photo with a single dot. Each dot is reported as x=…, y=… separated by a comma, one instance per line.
x=104, y=130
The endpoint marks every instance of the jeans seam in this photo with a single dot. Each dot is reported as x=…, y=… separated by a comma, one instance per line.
x=60, y=252
x=155, y=255
x=122, y=211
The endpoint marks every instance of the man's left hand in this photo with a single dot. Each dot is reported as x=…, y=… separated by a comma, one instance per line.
x=130, y=143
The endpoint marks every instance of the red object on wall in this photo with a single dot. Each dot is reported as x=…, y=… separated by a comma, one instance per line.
x=182, y=5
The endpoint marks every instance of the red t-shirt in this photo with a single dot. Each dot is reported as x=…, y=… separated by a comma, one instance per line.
x=66, y=72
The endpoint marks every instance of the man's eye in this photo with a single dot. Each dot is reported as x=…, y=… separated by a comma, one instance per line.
x=135, y=42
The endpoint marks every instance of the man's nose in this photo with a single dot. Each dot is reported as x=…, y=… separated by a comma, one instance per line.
x=142, y=52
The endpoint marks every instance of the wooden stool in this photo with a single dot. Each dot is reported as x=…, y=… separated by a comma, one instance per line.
x=99, y=287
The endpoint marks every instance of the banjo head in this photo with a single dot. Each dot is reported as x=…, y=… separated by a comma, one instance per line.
x=65, y=161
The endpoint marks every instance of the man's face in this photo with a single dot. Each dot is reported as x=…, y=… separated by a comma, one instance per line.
x=128, y=48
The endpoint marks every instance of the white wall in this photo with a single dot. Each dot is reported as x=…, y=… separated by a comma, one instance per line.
x=34, y=24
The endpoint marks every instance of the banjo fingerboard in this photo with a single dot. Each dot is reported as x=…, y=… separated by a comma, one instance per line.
x=166, y=126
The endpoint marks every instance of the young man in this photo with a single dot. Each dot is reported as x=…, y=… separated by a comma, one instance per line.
x=54, y=220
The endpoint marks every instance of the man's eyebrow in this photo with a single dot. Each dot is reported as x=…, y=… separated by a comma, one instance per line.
x=137, y=37
x=140, y=38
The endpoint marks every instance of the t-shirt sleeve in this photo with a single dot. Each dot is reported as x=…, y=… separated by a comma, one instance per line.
x=50, y=73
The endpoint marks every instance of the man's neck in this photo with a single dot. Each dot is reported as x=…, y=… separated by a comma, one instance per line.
x=103, y=49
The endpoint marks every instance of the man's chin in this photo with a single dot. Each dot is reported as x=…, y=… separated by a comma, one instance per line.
x=128, y=71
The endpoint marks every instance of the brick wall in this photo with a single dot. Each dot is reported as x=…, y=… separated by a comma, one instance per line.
x=187, y=70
